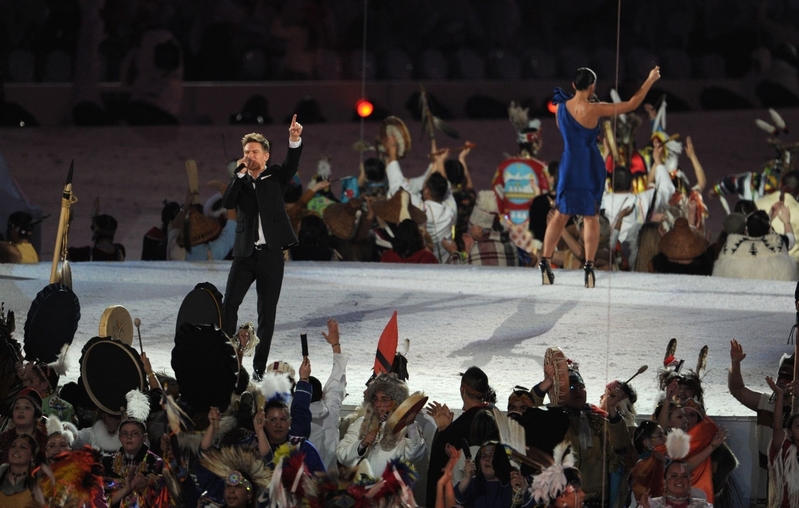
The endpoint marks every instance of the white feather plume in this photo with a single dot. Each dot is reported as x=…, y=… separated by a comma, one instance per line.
x=777, y=119
x=616, y=98
x=552, y=481
x=678, y=444
x=60, y=365
x=138, y=407
x=518, y=116
x=276, y=385
x=767, y=127
x=511, y=434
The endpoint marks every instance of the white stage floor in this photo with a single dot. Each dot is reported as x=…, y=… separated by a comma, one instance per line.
x=500, y=319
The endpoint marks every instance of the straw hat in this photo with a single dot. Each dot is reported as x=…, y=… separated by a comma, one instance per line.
x=398, y=208
x=202, y=229
x=342, y=218
x=683, y=242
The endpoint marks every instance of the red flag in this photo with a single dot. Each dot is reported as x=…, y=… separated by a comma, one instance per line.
x=387, y=346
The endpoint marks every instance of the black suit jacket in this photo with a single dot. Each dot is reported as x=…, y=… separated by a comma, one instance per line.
x=266, y=200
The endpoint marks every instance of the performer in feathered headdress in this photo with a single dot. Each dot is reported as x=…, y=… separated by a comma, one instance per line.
x=244, y=473
x=677, y=490
x=133, y=473
x=520, y=178
x=559, y=485
x=60, y=436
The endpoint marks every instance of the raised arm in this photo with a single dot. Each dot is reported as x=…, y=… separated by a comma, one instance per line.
x=701, y=181
x=776, y=425
x=601, y=109
x=735, y=381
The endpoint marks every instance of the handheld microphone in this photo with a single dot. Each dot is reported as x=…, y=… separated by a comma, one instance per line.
x=240, y=167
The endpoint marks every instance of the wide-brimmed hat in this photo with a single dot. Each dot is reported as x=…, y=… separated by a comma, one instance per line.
x=342, y=219
x=398, y=208
x=202, y=229
x=683, y=242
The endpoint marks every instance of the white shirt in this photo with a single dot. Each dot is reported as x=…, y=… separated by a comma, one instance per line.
x=325, y=412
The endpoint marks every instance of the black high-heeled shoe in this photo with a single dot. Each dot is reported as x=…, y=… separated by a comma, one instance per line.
x=590, y=278
x=547, y=277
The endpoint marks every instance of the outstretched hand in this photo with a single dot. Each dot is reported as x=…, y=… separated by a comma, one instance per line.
x=295, y=129
x=737, y=354
x=654, y=74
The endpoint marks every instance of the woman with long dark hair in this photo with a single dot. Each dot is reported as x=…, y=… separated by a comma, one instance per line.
x=581, y=176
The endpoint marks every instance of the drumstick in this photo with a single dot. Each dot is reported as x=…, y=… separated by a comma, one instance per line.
x=640, y=371
x=137, y=322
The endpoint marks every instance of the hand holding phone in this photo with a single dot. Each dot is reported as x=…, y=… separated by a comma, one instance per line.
x=304, y=340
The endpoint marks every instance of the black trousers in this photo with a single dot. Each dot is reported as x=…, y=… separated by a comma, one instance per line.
x=265, y=267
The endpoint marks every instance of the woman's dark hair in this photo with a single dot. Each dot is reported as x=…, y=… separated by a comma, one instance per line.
x=374, y=169
x=407, y=238
x=476, y=383
x=643, y=432
x=455, y=173
x=276, y=404
x=758, y=223
x=583, y=78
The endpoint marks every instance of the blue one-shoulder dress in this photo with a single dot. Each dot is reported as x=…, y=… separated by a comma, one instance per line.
x=582, y=173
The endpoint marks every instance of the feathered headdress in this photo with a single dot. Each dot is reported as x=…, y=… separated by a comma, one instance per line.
x=137, y=409
x=527, y=130
x=74, y=479
x=555, y=479
x=68, y=430
x=276, y=385
x=395, y=487
x=286, y=482
x=342, y=487
x=238, y=465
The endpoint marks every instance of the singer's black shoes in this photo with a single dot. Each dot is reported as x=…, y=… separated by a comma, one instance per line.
x=590, y=278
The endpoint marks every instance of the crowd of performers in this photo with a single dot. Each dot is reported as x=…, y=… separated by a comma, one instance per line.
x=652, y=215
x=206, y=434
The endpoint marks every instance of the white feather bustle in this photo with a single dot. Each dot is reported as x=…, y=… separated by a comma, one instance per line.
x=552, y=481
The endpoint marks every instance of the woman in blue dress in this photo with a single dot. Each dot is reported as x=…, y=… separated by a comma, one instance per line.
x=581, y=177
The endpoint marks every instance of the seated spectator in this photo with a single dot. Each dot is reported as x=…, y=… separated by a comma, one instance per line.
x=104, y=227
x=441, y=211
x=195, y=236
x=154, y=244
x=762, y=253
x=463, y=192
x=17, y=248
x=314, y=241
x=486, y=243
x=683, y=250
x=408, y=246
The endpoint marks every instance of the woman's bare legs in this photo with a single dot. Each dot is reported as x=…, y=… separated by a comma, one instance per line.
x=590, y=237
x=591, y=241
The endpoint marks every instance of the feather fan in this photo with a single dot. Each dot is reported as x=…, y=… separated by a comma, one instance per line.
x=552, y=481
x=511, y=434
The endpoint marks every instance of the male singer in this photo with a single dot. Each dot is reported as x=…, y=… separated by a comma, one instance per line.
x=263, y=232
